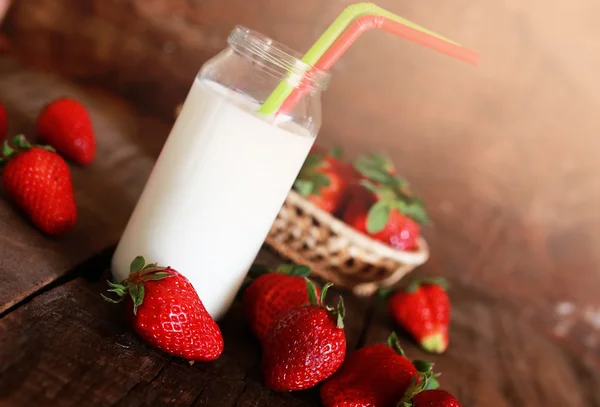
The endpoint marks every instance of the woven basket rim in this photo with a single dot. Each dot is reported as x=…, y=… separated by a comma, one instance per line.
x=416, y=257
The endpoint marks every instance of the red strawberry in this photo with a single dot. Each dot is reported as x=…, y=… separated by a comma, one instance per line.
x=383, y=207
x=167, y=312
x=423, y=310
x=38, y=181
x=3, y=123
x=65, y=124
x=272, y=293
x=374, y=376
x=305, y=345
x=323, y=180
x=433, y=398
x=399, y=231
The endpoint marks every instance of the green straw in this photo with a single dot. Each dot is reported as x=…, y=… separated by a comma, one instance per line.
x=349, y=14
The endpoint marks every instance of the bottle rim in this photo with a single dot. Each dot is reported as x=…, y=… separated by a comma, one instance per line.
x=278, y=59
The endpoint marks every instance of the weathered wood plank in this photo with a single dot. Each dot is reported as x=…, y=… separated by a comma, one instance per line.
x=67, y=347
x=105, y=191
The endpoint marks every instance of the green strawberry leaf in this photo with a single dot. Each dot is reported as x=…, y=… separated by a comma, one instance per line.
x=326, y=288
x=149, y=266
x=7, y=150
x=304, y=187
x=312, y=162
x=137, y=264
x=431, y=384
x=374, y=174
x=21, y=142
x=394, y=343
x=301, y=270
x=292, y=269
x=160, y=275
x=413, y=286
x=107, y=299
x=312, y=292
x=369, y=185
x=336, y=152
x=320, y=181
x=413, y=209
x=441, y=281
x=285, y=268
x=378, y=216
x=136, y=291
x=422, y=366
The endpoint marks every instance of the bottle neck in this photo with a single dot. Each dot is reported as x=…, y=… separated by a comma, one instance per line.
x=277, y=60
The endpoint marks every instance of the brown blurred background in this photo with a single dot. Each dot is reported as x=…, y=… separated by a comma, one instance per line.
x=504, y=154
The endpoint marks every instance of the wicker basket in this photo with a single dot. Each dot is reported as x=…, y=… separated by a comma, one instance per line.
x=305, y=234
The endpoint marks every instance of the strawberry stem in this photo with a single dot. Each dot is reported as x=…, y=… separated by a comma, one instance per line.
x=418, y=282
x=21, y=142
x=427, y=381
x=394, y=343
x=339, y=311
x=313, y=299
x=139, y=273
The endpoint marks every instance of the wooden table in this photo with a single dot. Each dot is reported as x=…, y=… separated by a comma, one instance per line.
x=62, y=345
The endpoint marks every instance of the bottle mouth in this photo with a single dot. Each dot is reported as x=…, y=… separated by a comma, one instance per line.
x=278, y=59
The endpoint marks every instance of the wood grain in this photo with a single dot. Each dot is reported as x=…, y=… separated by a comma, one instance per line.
x=105, y=191
x=67, y=347
x=504, y=154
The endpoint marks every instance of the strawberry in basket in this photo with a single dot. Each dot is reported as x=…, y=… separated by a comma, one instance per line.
x=324, y=179
x=382, y=205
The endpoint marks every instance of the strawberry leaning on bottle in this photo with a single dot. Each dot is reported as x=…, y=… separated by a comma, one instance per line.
x=423, y=310
x=38, y=181
x=376, y=375
x=305, y=345
x=167, y=313
x=271, y=293
x=383, y=207
x=65, y=124
x=323, y=180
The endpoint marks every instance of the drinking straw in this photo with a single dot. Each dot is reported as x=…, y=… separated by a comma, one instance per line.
x=330, y=35
x=365, y=23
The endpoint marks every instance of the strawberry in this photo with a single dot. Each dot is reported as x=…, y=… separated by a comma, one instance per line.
x=432, y=398
x=272, y=293
x=423, y=310
x=167, y=312
x=383, y=207
x=66, y=125
x=38, y=181
x=305, y=345
x=398, y=231
x=323, y=180
x=3, y=123
x=376, y=375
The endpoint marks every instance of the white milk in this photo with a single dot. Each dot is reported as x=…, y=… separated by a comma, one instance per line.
x=215, y=190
